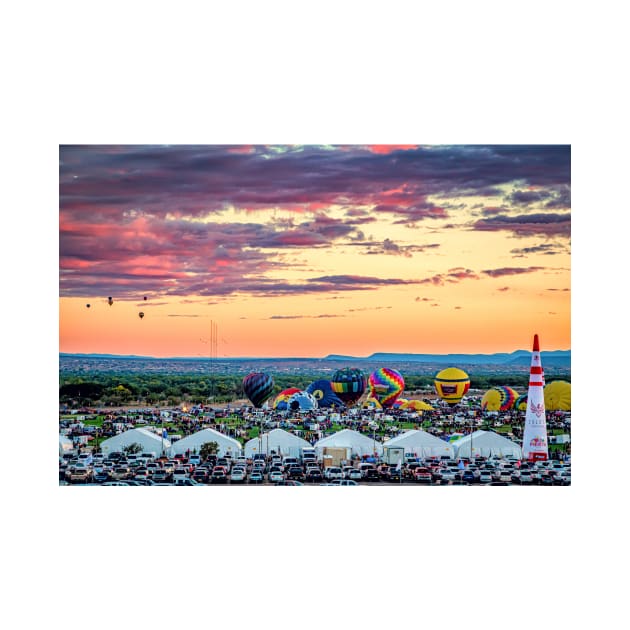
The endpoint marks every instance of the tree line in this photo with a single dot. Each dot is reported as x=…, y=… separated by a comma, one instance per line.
x=166, y=389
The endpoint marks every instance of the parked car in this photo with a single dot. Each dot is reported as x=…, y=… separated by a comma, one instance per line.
x=342, y=482
x=371, y=474
x=354, y=474
x=218, y=475
x=422, y=475
x=238, y=475
x=255, y=477
x=289, y=482
x=200, y=475
x=275, y=476
x=333, y=472
x=314, y=475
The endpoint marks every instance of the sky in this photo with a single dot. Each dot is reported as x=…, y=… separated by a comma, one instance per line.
x=307, y=250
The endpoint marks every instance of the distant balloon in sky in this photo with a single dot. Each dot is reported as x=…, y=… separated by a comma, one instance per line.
x=451, y=384
x=386, y=384
x=145, y=298
x=110, y=300
x=141, y=315
x=88, y=305
x=258, y=387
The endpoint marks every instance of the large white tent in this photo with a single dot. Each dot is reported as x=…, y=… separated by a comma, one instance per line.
x=149, y=442
x=486, y=444
x=278, y=440
x=358, y=443
x=421, y=444
x=194, y=442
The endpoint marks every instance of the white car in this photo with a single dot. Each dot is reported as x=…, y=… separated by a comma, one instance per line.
x=237, y=475
x=333, y=472
x=485, y=476
x=354, y=475
x=275, y=476
x=447, y=475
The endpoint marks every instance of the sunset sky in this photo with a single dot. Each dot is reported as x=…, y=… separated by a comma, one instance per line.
x=309, y=250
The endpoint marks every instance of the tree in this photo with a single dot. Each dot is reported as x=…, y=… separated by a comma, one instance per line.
x=207, y=449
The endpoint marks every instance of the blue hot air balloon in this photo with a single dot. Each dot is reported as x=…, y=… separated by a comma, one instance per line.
x=322, y=390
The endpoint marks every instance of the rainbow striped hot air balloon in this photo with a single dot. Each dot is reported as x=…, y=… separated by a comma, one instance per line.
x=451, y=385
x=280, y=401
x=499, y=399
x=386, y=385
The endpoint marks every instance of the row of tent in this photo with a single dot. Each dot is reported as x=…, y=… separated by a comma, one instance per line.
x=414, y=442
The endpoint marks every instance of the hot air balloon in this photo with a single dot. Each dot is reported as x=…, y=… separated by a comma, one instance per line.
x=140, y=314
x=302, y=401
x=451, y=385
x=416, y=405
x=258, y=387
x=399, y=402
x=371, y=403
x=558, y=396
x=349, y=384
x=499, y=399
x=88, y=306
x=145, y=298
x=280, y=401
x=324, y=394
x=521, y=403
x=386, y=385
x=110, y=300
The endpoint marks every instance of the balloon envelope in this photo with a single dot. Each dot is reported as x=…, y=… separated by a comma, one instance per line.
x=140, y=315
x=258, y=387
x=302, y=401
x=499, y=399
x=386, y=385
x=280, y=401
x=371, y=403
x=451, y=384
x=417, y=405
x=322, y=390
x=521, y=403
x=110, y=300
x=558, y=396
x=349, y=384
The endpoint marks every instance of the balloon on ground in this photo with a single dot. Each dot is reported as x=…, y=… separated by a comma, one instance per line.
x=499, y=399
x=302, y=401
x=323, y=392
x=258, y=387
x=280, y=401
x=558, y=396
x=349, y=384
x=451, y=384
x=386, y=385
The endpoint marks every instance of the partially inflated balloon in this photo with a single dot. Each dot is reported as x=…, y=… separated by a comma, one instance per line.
x=386, y=385
x=451, y=385
x=302, y=401
x=416, y=405
x=558, y=396
x=280, y=401
x=322, y=390
x=399, y=402
x=498, y=399
x=371, y=403
x=521, y=403
x=258, y=387
x=349, y=384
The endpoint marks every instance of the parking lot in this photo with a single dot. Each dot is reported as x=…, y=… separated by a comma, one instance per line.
x=144, y=470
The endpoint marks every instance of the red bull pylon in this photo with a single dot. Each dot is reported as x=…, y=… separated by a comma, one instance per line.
x=535, y=434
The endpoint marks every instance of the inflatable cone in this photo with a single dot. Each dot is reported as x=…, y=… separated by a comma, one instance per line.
x=535, y=434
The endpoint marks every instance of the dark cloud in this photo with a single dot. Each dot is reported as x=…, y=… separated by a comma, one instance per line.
x=303, y=316
x=453, y=275
x=547, y=249
x=527, y=224
x=504, y=289
x=510, y=271
x=389, y=247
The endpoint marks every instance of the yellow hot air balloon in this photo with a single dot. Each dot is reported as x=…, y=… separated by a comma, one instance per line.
x=451, y=384
x=558, y=396
x=499, y=399
x=417, y=405
x=371, y=403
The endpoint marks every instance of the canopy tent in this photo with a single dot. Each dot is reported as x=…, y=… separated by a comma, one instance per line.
x=65, y=445
x=149, y=441
x=486, y=444
x=421, y=444
x=278, y=440
x=194, y=442
x=358, y=443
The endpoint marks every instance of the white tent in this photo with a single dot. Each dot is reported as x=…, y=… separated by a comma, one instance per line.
x=421, y=444
x=194, y=442
x=358, y=443
x=278, y=440
x=485, y=444
x=65, y=445
x=150, y=442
